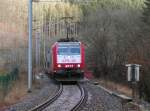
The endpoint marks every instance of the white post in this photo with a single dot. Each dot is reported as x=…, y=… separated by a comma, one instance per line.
x=129, y=73
x=30, y=47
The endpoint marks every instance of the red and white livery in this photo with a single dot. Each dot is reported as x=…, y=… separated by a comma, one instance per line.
x=68, y=60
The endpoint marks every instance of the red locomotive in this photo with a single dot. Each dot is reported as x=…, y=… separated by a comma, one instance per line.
x=68, y=61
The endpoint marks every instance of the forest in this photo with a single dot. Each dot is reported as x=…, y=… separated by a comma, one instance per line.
x=115, y=33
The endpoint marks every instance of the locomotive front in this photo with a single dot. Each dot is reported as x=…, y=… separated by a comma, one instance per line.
x=68, y=61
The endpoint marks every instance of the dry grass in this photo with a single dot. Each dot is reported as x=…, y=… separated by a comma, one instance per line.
x=18, y=91
x=2, y=72
x=120, y=88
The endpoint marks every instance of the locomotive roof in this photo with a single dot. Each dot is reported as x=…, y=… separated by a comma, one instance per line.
x=68, y=43
x=67, y=40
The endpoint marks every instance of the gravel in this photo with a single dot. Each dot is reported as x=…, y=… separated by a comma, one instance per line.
x=145, y=106
x=100, y=100
x=46, y=89
x=69, y=98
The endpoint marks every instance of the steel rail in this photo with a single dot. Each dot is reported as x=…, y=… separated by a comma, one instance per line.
x=84, y=96
x=49, y=101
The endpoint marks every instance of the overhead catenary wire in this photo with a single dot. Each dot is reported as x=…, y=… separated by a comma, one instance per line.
x=42, y=34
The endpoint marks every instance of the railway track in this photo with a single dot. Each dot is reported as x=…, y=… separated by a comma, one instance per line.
x=83, y=99
x=68, y=98
x=49, y=101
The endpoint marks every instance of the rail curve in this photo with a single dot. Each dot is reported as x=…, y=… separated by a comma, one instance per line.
x=84, y=97
x=49, y=101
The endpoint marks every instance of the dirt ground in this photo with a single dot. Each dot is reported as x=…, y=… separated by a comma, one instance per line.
x=19, y=90
x=2, y=72
x=120, y=88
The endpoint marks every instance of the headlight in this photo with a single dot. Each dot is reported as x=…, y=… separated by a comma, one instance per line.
x=78, y=65
x=59, y=65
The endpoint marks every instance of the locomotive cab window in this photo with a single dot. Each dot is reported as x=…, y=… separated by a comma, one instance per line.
x=63, y=51
x=75, y=51
x=69, y=50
